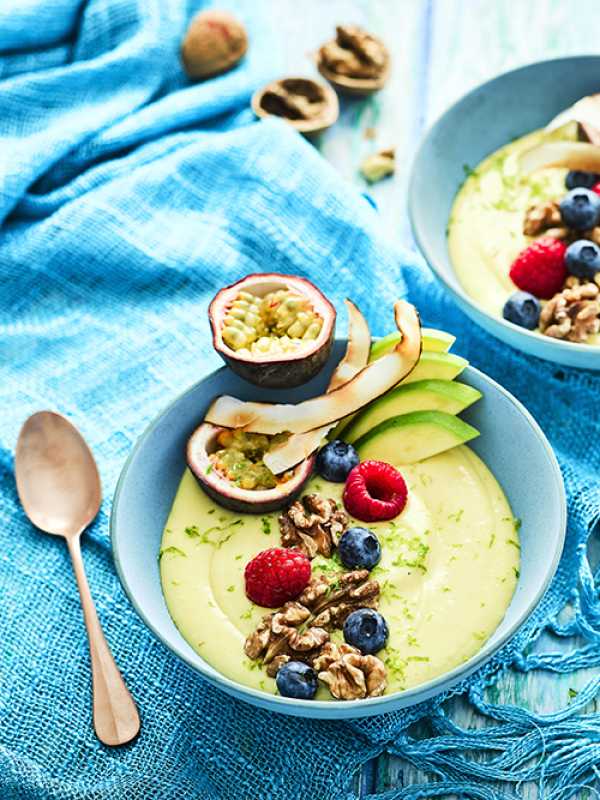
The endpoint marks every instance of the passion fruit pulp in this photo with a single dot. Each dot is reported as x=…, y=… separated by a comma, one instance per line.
x=273, y=330
x=229, y=468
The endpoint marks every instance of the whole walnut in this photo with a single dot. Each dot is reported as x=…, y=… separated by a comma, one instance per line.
x=214, y=42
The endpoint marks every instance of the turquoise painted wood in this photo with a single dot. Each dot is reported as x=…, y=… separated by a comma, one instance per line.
x=440, y=49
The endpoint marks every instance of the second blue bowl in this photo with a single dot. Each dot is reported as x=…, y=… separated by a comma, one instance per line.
x=484, y=120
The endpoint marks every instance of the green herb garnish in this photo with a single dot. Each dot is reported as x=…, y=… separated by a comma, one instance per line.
x=175, y=551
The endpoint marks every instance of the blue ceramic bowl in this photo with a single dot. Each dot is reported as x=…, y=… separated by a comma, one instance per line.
x=487, y=118
x=146, y=488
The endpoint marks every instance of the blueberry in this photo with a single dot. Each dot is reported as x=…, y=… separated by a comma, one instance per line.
x=580, y=209
x=335, y=461
x=582, y=259
x=296, y=679
x=367, y=630
x=359, y=548
x=576, y=178
x=523, y=309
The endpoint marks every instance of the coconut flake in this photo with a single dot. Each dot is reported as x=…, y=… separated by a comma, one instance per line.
x=300, y=445
x=586, y=112
x=572, y=155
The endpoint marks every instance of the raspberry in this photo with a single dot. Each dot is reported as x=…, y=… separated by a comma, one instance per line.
x=540, y=268
x=276, y=575
x=596, y=188
x=375, y=490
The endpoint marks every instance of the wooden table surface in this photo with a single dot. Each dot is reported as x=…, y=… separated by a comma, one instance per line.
x=440, y=50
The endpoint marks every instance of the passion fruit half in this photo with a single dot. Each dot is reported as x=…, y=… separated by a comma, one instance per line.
x=273, y=330
x=229, y=468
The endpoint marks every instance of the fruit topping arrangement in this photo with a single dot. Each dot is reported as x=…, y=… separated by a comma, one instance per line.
x=558, y=273
x=311, y=526
x=385, y=402
x=299, y=644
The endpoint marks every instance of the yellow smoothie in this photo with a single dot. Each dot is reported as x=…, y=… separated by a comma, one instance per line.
x=485, y=230
x=448, y=571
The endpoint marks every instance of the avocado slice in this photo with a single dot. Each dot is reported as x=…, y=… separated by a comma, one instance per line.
x=434, y=341
x=431, y=366
x=414, y=437
x=425, y=395
x=438, y=366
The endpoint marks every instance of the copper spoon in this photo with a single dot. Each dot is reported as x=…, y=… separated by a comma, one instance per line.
x=59, y=487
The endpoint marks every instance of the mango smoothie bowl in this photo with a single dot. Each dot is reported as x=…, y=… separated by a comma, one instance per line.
x=514, y=232
x=524, y=230
x=345, y=549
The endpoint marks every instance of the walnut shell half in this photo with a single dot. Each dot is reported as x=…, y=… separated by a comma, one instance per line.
x=310, y=106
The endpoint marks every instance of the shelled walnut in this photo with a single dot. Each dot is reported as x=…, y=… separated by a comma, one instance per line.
x=282, y=636
x=574, y=313
x=332, y=601
x=349, y=674
x=378, y=165
x=313, y=524
x=539, y=218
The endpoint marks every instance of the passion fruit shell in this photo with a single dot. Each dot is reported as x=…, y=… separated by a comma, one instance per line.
x=203, y=442
x=263, y=337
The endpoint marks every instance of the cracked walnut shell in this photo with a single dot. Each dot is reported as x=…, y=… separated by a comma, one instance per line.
x=355, y=62
x=307, y=105
x=313, y=525
x=214, y=42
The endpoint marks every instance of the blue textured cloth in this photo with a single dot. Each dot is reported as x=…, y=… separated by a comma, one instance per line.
x=127, y=197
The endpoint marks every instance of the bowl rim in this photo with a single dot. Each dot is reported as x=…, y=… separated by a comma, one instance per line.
x=420, y=233
x=371, y=705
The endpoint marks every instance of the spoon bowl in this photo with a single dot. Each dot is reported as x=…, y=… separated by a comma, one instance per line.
x=57, y=478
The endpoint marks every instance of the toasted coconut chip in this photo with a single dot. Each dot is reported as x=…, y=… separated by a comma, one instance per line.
x=300, y=445
x=370, y=383
x=572, y=155
x=586, y=112
x=357, y=352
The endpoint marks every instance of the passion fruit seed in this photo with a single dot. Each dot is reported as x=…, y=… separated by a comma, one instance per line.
x=240, y=459
x=280, y=322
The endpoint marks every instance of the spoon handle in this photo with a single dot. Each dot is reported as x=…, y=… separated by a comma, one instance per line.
x=116, y=718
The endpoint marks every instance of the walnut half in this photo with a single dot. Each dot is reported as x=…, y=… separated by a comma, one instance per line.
x=349, y=674
x=313, y=524
x=282, y=636
x=574, y=313
x=541, y=217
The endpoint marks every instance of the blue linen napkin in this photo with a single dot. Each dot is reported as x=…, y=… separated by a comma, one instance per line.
x=128, y=196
